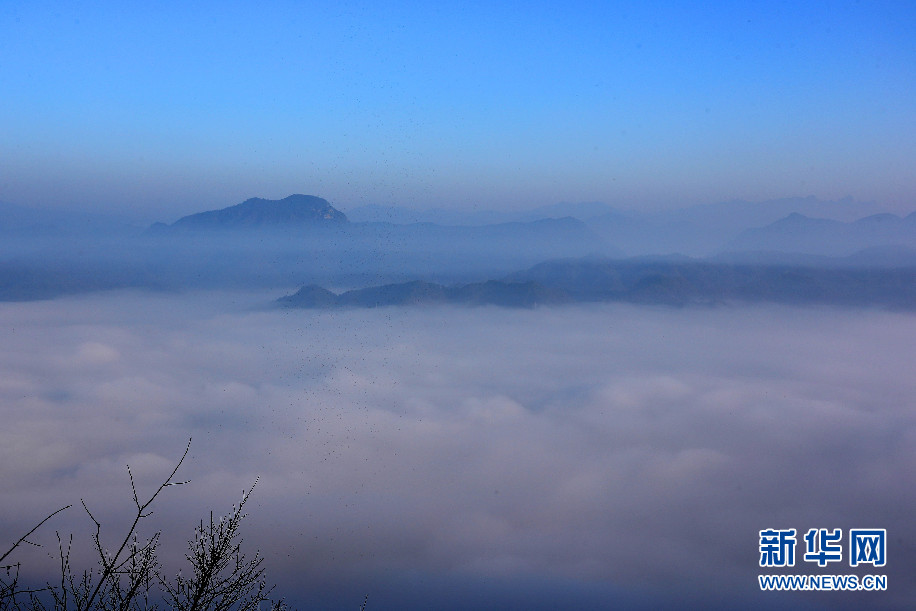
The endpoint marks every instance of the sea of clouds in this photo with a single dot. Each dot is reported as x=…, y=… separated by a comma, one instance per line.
x=441, y=457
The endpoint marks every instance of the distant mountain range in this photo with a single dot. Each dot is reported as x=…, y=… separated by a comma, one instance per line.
x=491, y=292
x=278, y=243
x=707, y=229
x=699, y=230
x=797, y=233
x=374, y=213
x=256, y=213
x=303, y=240
x=673, y=281
x=785, y=226
x=678, y=281
x=304, y=234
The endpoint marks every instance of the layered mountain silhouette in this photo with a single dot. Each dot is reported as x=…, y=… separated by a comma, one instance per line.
x=374, y=213
x=417, y=292
x=798, y=233
x=302, y=240
x=677, y=281
x=255, y=213
x=681, y=281
x=281, y=242
x=703, y=230
x=315, y=217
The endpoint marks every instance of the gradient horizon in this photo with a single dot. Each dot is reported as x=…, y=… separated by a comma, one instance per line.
x=164, y=111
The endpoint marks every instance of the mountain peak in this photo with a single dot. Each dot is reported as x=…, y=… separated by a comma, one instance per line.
x=256, y=212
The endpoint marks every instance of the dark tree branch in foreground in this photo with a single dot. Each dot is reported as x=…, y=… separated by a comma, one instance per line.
x=9, y=586
x=130, y=579
x=23, y=538
x=221, y=577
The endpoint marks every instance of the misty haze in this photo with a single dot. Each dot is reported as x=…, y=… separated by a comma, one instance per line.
x=544, y=307
x=591, y=430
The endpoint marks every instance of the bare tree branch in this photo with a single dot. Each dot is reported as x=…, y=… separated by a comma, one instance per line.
x=26, y=535
x=108, y=565
x=221, y=577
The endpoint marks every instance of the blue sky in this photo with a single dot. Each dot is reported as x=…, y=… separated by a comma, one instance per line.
x=163, y=109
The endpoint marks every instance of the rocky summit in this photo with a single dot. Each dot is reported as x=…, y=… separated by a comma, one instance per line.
x=257, y=213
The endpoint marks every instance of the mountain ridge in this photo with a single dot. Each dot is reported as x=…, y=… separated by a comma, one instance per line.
x=671, y=281
x=292, y=211
x=523, y=294
x=799, y=233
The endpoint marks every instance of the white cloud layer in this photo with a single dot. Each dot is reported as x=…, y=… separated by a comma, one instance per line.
x=479, y=456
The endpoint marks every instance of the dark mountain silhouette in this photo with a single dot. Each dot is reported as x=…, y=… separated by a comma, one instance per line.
x=328, y=230
x=682, y=282
x=491, y=292
x=289, y=212
x=304, y=240
x=677, y=281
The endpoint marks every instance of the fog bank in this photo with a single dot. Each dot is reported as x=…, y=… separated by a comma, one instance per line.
x=444, y=457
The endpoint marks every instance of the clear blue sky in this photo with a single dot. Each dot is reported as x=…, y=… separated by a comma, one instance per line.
x=165, y=108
